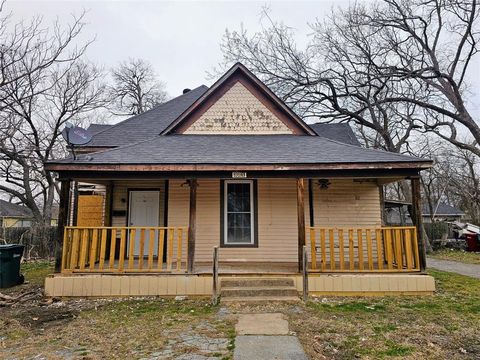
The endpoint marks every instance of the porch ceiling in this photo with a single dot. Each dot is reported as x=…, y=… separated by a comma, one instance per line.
x=383, y=176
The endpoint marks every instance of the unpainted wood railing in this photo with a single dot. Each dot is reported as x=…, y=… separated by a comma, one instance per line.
x=385, y=249
x=112, y=249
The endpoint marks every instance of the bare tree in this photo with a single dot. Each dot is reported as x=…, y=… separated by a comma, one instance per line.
x=331, y=80
x=389, y=67
x=41, y=94
x=27, y=48
x=135, y=88
x=430, y=44
x=458, y=181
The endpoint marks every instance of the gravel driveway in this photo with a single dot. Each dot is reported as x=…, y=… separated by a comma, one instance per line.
x=455, y=267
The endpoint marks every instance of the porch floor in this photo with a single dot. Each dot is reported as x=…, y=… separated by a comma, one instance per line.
x=201, y=268
x=278, y=268
x=237, y=267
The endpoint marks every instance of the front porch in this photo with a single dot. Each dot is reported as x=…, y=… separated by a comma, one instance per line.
x=348, y=252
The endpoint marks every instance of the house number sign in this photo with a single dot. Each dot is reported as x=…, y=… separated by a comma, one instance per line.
x=239, y=174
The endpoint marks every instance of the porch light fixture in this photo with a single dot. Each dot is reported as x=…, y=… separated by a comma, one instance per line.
x=323, y=184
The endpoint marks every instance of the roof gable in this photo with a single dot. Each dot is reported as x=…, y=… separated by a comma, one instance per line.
x=239, y=103
x=238, y=111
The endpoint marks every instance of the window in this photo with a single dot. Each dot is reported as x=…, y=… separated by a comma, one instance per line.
x=238, y=213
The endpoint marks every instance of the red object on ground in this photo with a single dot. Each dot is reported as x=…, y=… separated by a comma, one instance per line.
x=473, y=244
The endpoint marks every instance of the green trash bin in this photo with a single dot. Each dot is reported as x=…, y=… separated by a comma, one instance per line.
x=10, y=256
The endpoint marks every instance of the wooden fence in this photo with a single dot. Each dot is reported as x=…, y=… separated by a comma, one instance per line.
x=386, y=249
x=123, y=249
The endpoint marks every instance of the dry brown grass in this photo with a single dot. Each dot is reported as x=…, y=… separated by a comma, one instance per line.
x=104, y=328
x=443, y=326
x=457, y=255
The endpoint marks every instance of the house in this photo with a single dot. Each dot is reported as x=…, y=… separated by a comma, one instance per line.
x=224, y=187
x=14, y=215
x=396, y=213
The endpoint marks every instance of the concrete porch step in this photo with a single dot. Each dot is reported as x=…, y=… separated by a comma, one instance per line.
x=247, y=291
x=260, y=298
x=256, y=282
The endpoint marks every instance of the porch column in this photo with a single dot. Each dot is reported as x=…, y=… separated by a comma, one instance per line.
x=192, y=224
x=62, y=221
x=418, y=221
x=301, y=220
x=108, y=204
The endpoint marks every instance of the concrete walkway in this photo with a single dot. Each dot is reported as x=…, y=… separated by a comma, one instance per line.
x=266, y=337
x=455, y=267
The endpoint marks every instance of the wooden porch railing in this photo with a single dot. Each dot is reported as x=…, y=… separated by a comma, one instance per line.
x=110, y=249
x=385, y=249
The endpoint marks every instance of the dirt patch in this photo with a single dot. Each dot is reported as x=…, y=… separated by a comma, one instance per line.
x=134, y=328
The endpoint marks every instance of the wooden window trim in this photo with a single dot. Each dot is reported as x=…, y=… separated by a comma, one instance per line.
x=254, y=195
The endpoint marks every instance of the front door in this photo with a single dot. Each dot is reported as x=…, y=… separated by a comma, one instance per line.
x=143, y=211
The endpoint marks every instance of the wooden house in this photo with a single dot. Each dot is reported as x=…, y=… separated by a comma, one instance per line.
x=222, y=187
x=14, y=215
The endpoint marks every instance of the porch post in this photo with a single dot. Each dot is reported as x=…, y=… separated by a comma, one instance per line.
x=62, y=221
x=301, y=220
x=108, y=204
x=418, y=222
x=381, y=191
x=192, y=224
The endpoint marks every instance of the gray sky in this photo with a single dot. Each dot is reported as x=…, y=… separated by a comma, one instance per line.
x=181, y=39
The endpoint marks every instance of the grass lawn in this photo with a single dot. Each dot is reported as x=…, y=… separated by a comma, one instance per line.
x=457, y=255
x=443, y=326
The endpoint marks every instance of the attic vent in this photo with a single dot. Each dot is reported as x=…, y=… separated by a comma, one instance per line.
x=186, y=90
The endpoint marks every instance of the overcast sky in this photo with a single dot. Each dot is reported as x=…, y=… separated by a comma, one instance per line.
x=180, y=39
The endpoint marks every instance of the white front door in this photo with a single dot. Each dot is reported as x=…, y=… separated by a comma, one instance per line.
x=143, y=211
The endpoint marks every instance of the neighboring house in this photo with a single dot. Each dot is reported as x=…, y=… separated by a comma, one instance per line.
x=231, y=170
x=54, y=219
x=396, y=213
x=442, y=212
x=13, y=215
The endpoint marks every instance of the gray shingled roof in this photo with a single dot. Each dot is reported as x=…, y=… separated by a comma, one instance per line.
x=96, y=128
x=338, y=132
x=443, y=209
x=147, y=124
x=239, y=149
x=14, y=210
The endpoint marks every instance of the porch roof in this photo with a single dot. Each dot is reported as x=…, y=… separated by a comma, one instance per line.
x=288, y=150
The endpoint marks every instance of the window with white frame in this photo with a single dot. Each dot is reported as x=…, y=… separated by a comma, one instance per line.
x=238, y=222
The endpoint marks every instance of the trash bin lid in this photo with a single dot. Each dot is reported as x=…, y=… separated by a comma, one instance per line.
x=10, y=246
x=5, y=250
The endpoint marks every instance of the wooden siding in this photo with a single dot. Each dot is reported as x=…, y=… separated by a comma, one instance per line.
x=195, y=285
x=345, y=203
x=238, y=111
x=128, y=285
x=277, y=221
x=120, y=198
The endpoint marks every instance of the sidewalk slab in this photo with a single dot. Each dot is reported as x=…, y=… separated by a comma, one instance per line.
x=250, y=347
x=262, y=324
